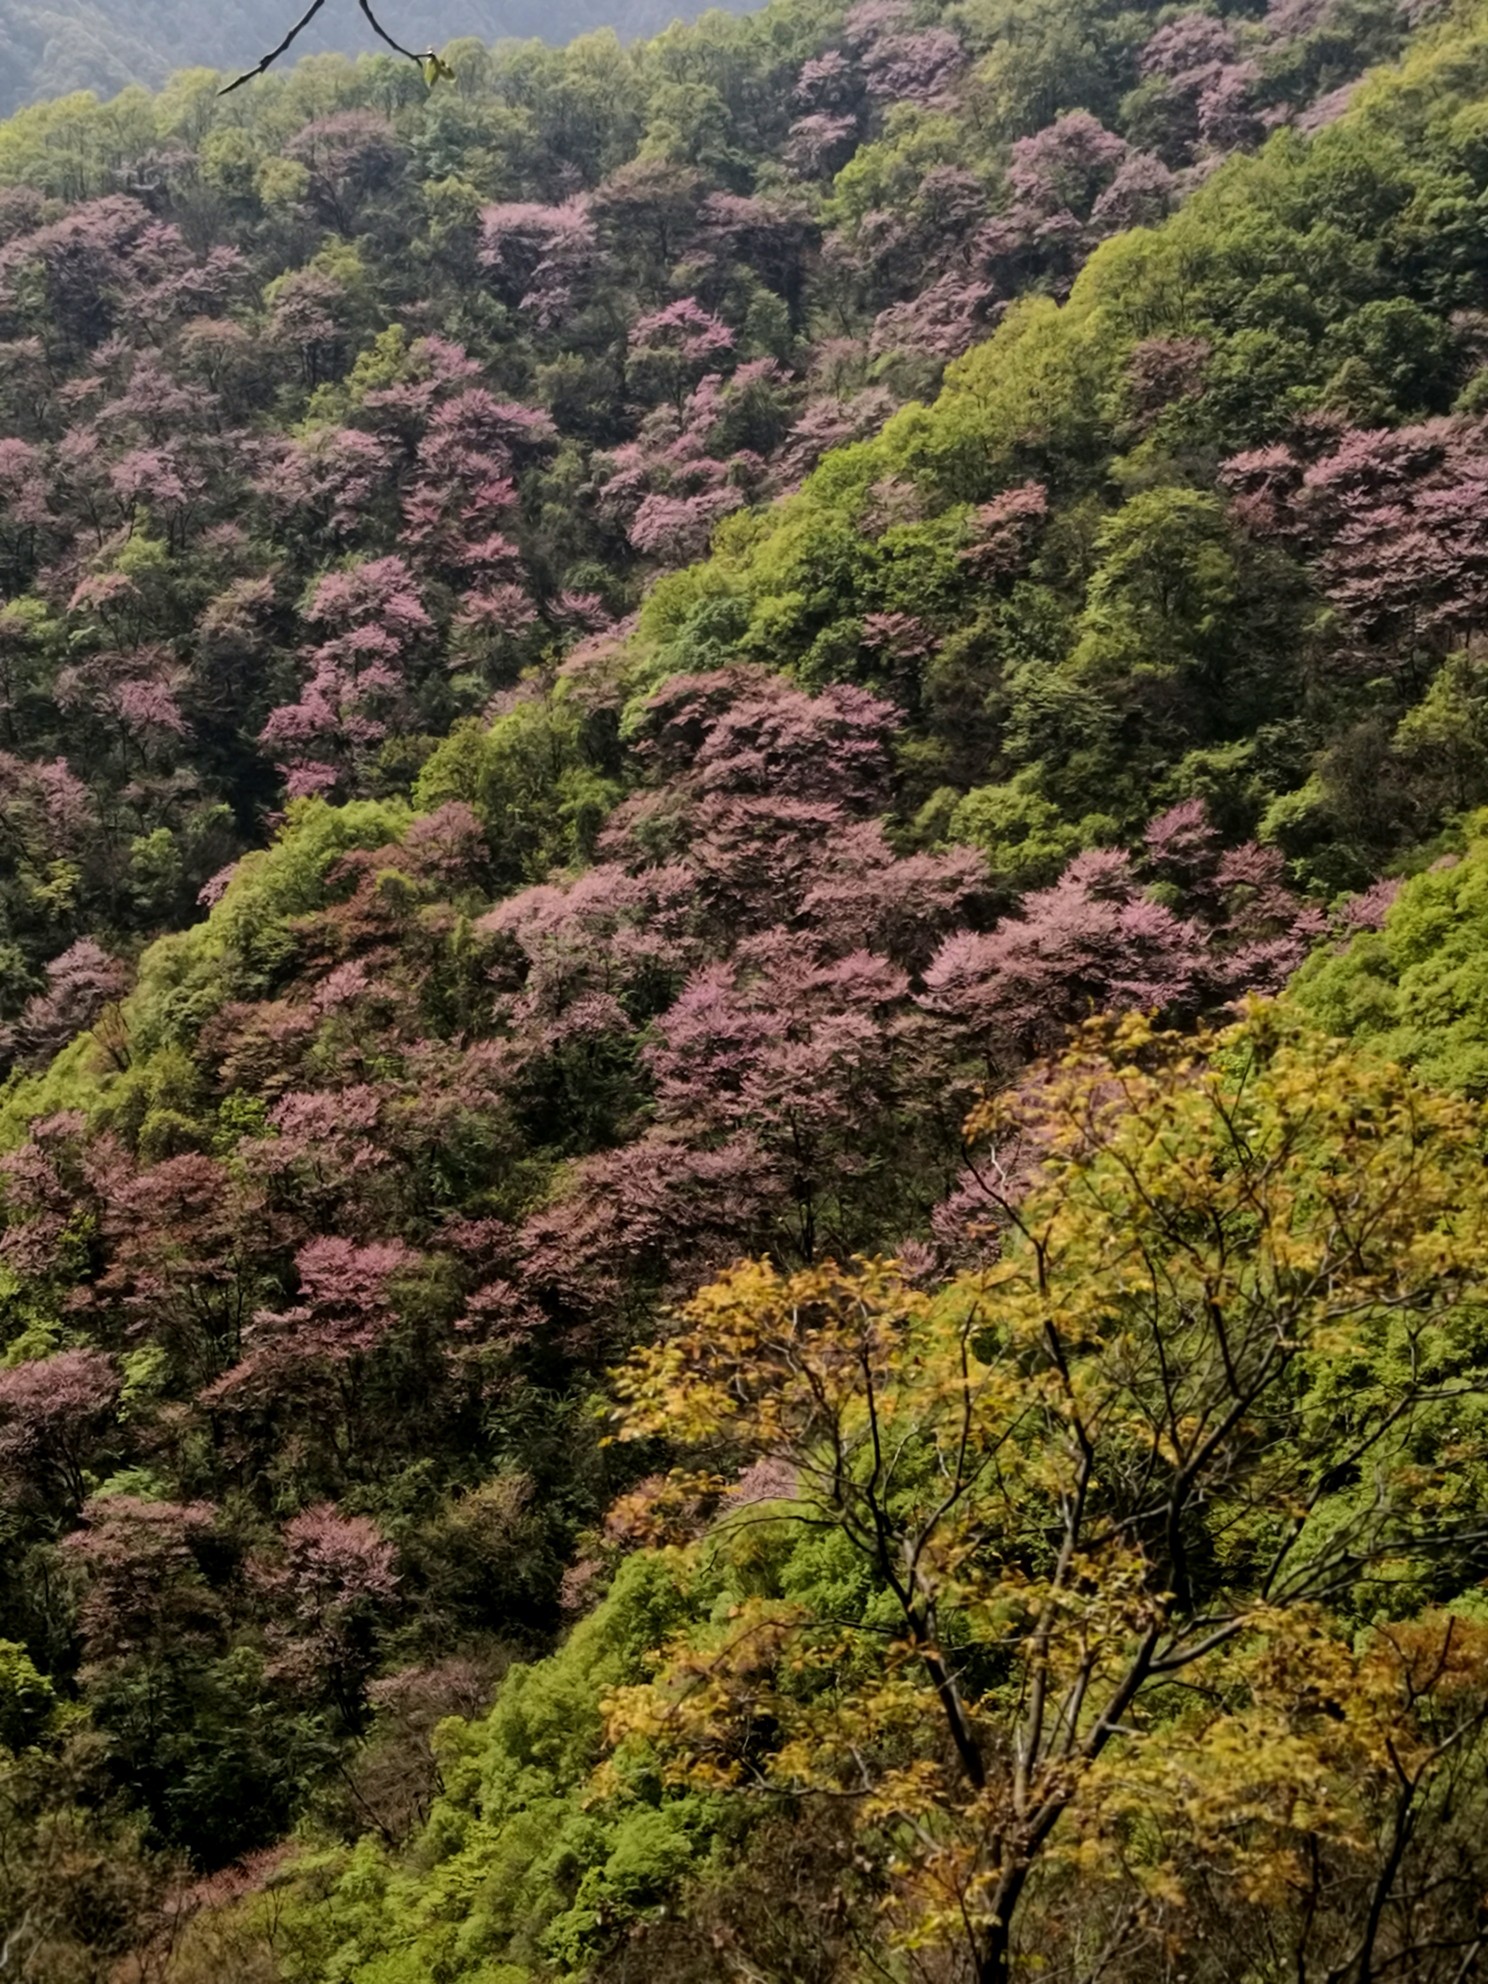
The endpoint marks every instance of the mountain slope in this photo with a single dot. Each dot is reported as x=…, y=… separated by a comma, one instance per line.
x=598, y=666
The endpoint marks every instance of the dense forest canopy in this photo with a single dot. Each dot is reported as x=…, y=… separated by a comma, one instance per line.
x=743, y=817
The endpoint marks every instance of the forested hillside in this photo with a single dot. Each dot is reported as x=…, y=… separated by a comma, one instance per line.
x=744, y=1233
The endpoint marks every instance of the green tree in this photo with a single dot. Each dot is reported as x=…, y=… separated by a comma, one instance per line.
x=1111, y=1496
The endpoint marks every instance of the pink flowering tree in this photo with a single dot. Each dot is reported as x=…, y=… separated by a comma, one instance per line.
x=126, y=704
x=1068, y=185
x=669, y=350
x=459, y=502
x=902, y=63
x=808, y=1058
x=192, y=1249
x=831, y=422
x=1003, y=533
x=327, y=484
x=1094, y=942
x=360, y=678
x=76, y=277
x=348, y=157
x=308, y=324
x=56, y=1415
x=1259, y=929
x=144, y=1598
x=691, y=465
x=1198, y=94
x=25, y=513
x=651, y=1220
x=316, y=1373
x=539, y=259
x=331, y=1589
x=1394, y=521
x=79, y=984
x=820, y=143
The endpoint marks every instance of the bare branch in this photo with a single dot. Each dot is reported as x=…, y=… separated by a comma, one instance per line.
x=273, y=55
x=381, y=32
x=248, y=75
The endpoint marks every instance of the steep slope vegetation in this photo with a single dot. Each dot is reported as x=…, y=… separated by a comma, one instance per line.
x=546, y=915
x=512, y=346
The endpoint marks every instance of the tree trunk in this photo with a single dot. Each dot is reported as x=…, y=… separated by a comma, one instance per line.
x=993, y=1952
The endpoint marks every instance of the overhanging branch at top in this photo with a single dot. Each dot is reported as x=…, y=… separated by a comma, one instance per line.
x=427, y=60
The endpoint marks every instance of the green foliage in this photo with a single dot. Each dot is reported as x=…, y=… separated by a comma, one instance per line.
x=1418, y=988
x=28, y=1701
x=1025, y=837
x=534, y=776
x=522, y=1871
x=246, y=940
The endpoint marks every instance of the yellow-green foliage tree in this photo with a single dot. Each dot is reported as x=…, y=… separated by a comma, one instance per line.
x=1164, y=1517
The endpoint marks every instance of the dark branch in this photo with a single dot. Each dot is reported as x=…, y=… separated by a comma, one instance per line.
x=397, y=46
x=274, y=53
x=299, y=27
